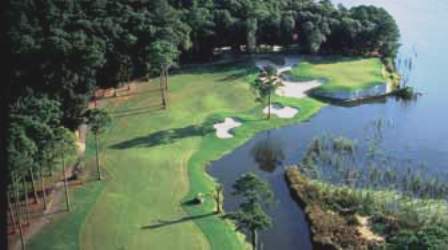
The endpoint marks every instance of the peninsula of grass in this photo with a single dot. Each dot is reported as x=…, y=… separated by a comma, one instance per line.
x=155, y=161
x=341, y=73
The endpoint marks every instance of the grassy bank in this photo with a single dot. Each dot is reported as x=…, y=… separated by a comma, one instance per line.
x=341, y=74
x=155, y=160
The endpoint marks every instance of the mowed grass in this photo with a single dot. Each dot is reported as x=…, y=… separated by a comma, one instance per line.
x=155, y=160
x=347, y=74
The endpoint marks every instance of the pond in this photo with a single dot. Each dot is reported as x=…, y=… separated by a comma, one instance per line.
x=418, y=131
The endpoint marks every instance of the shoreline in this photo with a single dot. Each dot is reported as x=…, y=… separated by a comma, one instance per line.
x=341, y=217
x=329, y=230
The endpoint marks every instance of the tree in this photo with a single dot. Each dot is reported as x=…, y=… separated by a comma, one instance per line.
x=163, y=54
x=200, y=18
x=38, y=115
x=250, y=215
x=265, y=85
x=65, y=142
x=218, y=198
x=20, y=150
x=98, y=120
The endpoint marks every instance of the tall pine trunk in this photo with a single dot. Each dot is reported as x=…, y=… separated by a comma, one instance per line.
x=254, y=239
x=269, y=107
x=165, y=70
x=218, y=200
x=33, y=184
x=18, y=216
x=98, y=170
x=67, y=198
x=162, y=89
x=43, y=187
x=11, y=213
x=27, y=208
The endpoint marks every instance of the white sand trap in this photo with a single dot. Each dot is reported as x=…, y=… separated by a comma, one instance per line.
x=296, y=89
x=223, y=129
x=282, y=112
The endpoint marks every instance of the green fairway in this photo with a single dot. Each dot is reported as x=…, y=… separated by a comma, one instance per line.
x=349, y=74
x=155, y=160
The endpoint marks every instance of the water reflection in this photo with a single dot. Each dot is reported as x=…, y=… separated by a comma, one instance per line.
x=268, y=153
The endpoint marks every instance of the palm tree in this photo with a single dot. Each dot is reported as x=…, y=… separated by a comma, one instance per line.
x=266, y=84
x=98, y=120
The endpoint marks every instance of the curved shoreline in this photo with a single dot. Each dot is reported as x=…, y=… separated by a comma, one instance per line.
x=202, y=182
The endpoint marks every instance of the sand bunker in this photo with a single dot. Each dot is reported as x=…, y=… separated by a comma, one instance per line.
x=223, y=129
x=297, y=89
x=282, y=112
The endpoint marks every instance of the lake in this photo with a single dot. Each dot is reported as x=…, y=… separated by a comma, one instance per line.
x=418, y=131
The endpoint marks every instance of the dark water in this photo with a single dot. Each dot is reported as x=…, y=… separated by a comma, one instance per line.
x=419, y=129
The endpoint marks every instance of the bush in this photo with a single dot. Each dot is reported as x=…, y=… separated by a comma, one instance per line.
x=406, y=93
x=432, y=237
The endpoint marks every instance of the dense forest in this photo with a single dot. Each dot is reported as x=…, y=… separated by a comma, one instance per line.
x=66, y=49
x=61, y=51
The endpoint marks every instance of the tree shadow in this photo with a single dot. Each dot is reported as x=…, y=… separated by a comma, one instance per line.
x=129, y=94
x=191, y=202
x=238, y=75
x=166, y=136
x=137, y=111
x=164, y=223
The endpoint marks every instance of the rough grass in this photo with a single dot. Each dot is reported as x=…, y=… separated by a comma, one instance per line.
x=347, y=74
x=155, y=160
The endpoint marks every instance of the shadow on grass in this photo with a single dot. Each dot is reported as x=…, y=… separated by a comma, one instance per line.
x=164, y=223
x=138, y=111
x=238, y=75
x=190, y=203
x=166, y=136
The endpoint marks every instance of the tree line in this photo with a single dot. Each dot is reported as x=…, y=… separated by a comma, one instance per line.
x=66, y=49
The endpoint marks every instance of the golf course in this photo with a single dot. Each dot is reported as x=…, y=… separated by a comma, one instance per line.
x=225, y=125
x=154, y=160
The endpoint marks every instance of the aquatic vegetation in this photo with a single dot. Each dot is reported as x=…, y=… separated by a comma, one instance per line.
x=344, y=162
x=398, y=220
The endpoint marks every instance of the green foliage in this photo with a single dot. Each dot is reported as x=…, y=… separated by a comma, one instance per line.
x=266, y=84
x=434, y=237
x=255, y=193
x=98, y=120
x=406, y=93
x=163, y=53
x=31, y=142
x=252, y=217
x=252, y=189
x=69, y=48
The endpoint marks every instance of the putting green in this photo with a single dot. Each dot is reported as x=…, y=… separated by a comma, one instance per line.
x=347, y=74
x=155, y=160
